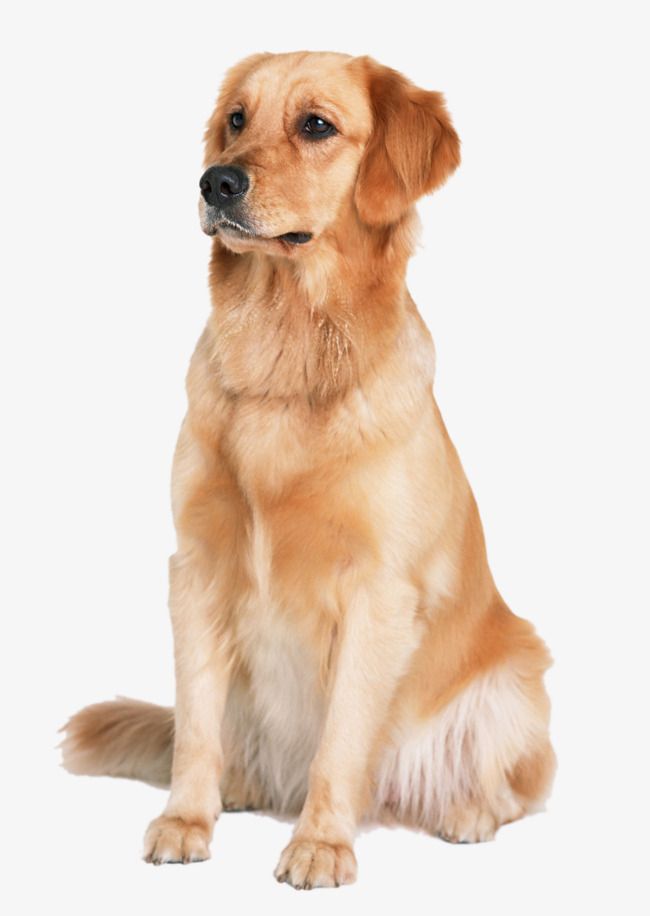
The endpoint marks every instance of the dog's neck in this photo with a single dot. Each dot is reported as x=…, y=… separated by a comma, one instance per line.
x=309, y=327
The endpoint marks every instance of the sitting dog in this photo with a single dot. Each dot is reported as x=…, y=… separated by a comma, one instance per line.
x=342, y=652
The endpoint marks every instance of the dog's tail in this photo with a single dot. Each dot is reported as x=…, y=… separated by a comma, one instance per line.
x=122, y=737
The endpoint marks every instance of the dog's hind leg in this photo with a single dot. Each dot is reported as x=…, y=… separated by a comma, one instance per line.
x=483, y=761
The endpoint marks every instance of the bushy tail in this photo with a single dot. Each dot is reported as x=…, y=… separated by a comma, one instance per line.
x=121, y=737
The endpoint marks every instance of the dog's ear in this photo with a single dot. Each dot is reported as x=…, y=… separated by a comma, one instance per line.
x=412, y=150
x=215, y=130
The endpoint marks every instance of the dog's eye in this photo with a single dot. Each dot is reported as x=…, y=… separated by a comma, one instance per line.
x=237, y=120
x=317, y=128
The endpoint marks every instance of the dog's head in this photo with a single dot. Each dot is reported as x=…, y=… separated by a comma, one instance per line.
x=299, y=142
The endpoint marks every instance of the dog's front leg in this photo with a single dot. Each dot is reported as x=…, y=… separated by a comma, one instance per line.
x=184, y=830
x=375, y=643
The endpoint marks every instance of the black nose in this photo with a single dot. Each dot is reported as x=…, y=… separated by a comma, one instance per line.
x=222, y=185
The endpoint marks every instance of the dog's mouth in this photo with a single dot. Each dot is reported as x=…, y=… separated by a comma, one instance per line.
x=244, y=232
x=295, y=238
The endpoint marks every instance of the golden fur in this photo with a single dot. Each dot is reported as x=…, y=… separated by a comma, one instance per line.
x=341, y=649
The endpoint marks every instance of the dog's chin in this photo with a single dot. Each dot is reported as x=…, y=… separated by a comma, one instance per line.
x=239, y=238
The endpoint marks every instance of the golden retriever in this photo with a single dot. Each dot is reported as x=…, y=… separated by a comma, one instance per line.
x=342, y=652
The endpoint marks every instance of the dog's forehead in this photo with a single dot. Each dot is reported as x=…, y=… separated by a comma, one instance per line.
x=284, y=82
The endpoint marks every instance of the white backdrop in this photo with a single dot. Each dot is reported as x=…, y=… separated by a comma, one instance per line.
x=532, y=278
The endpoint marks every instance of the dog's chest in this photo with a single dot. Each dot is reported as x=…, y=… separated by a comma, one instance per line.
x=283, y=672
x=305, y=529
x=270, y=443
x=309, y=517
x=284, y=695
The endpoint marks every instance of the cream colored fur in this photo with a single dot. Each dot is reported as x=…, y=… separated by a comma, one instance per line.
x=342, y=652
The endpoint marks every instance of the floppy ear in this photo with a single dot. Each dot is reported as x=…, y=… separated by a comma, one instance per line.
x=412, y=150
x=215, y=130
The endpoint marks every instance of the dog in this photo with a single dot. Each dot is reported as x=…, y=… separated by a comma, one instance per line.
x=342, y=653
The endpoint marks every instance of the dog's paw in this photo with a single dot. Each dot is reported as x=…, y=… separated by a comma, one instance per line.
x=305, y=864
x=175, y=840
x=476, y=823
x=468, y=825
